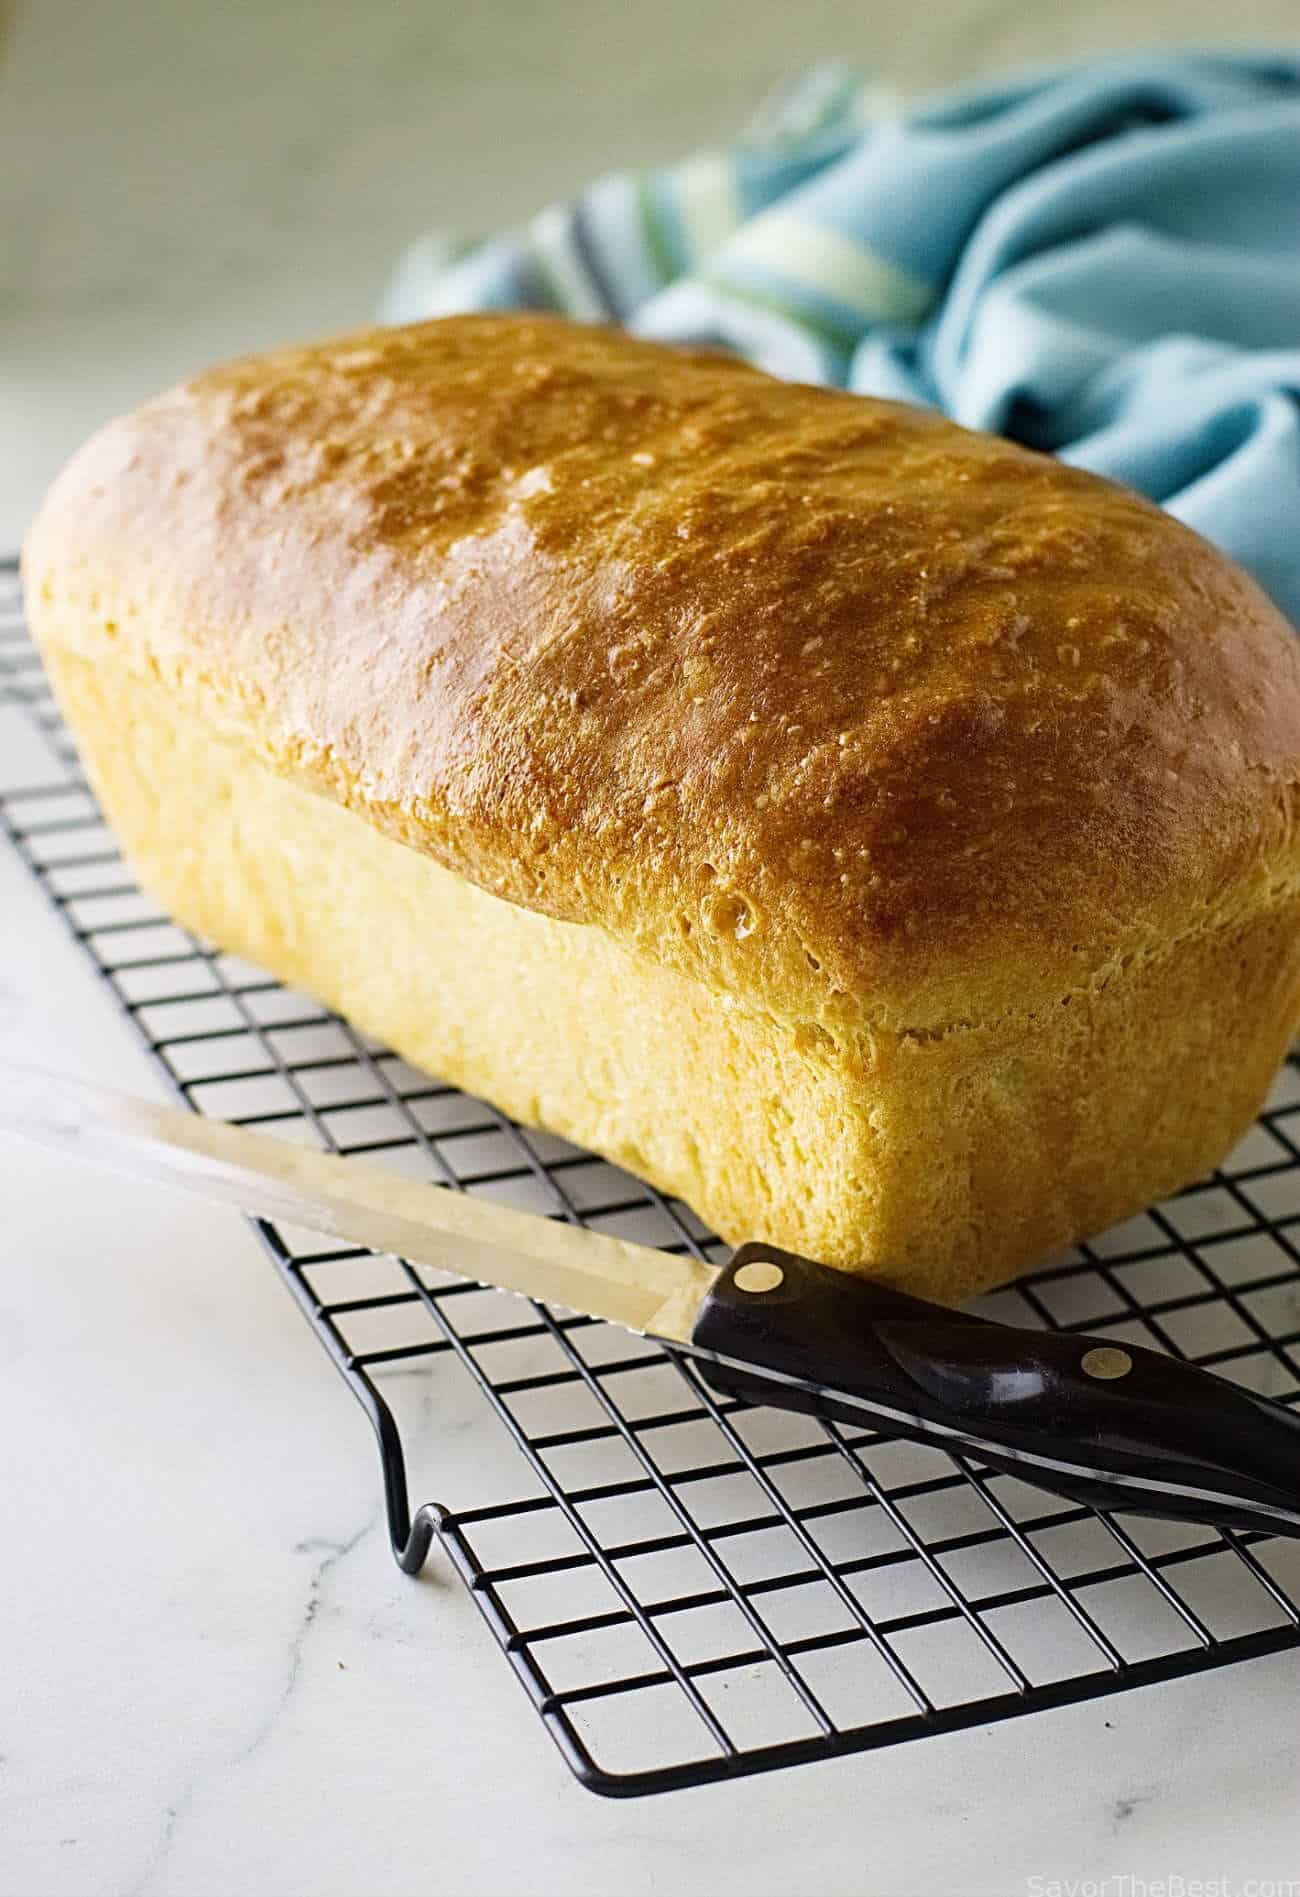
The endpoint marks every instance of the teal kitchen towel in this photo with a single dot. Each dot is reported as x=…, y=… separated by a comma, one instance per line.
x=1101, y=261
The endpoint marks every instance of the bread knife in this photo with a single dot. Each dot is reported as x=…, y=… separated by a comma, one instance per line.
x=1114, y=1427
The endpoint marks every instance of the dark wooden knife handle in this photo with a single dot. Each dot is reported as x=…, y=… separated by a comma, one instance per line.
x=1117, y=1426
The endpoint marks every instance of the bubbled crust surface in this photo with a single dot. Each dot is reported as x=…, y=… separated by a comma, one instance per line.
x=824, y=700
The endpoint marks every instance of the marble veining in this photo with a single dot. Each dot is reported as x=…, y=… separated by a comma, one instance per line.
x=327, y=1555
x=215, y=1679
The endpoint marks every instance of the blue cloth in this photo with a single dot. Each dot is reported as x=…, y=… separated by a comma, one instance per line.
x=1101, y=261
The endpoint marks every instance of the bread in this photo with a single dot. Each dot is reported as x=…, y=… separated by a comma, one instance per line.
x=878, y=835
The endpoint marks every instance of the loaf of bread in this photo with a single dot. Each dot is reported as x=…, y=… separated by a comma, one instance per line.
x=878, y=835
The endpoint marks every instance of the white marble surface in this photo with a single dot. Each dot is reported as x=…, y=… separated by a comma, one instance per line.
x=214, y=1679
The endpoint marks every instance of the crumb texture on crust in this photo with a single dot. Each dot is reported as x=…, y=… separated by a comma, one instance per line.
x=943, y=1166
x=863, y=718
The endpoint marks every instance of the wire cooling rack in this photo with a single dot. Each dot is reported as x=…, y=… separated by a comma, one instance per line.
x=689, y=1589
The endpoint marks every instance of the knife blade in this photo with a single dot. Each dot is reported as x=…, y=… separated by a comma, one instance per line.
x=637, y=1286
x=1112, y=1426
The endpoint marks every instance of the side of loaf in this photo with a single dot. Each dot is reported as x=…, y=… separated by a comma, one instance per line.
x=879, y=836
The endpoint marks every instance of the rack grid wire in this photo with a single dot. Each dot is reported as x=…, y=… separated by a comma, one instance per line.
x=689, y=1589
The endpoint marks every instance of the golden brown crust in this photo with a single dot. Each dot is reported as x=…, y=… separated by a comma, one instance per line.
x=823, y=700
x=941, y=1165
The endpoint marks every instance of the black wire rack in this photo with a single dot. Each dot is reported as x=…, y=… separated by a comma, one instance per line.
x=686, y=1588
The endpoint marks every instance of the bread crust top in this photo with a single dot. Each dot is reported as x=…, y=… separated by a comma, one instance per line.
x=867, y=719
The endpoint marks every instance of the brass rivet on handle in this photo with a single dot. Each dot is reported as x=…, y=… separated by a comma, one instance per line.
x=1106, y=1361
x=758, y=1277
